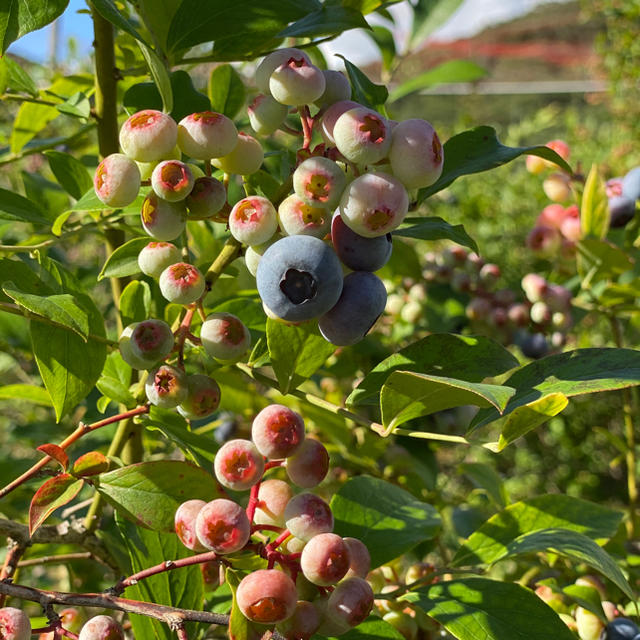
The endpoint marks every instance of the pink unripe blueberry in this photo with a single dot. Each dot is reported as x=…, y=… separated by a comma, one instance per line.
x=534, y=286
x=374, y=204
x=561, y=148
x=245, y=159
x=613, y=187
x=225, y=337
x=319, y=182
x=350, y=602
x=309, y=465
x=206, y=135
x=296, y=82
x=185, y=524
x=203, y=397
x=222, y=526
x=359, y=558
x=544, y=240
x=272, y=61
x=331, y=116
x=266, y=114
x=416, y=153
x=253, y=220
x=181, y=283
x=238, y=465
x=166, y=386
x=156, y=257
x=489, y=274
x=551, y=216
x=14, y=624
x=206, y=198
x=124, y=345
x=117, y=180
x=571, y=229
x=325, y=559
x=273, y=496
x=299, y=218
x=277, y=431
x=149, y=135
x=362, y=136
x=307, y=515
x=336, y=89
x=535, y=164
x=557, y=297
x=267, y=596
x=478, y=309
x=557, y=187
x=172, y=180
x=101, y=628
x=162, y=220
x=518, y=314
x=302, y=624
x=152, y=340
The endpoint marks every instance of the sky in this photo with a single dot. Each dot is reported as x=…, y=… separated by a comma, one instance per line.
x=470, y=18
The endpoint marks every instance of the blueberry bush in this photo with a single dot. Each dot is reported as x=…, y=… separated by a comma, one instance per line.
x=240, y=350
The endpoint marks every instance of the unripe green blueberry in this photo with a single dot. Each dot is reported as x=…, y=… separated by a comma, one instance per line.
x=267, y=596
x=535, y=164
x=253, y=254
x=166, y=386
x=296, y=82
x=253, y=220
x=225, y=337
x=266, y=114
x=101, y=628
x=182, y=283
x=14, y=624
x=416, y=153
x=534, y=286
x=272, y=61
x=336, y=89
x=152, y=340
x=557, y=187
x=206, y=135
x=172, y=180
x=319, y=182
x=588, y=625
x=245, y=159
x=540, y=313
x=207, y=197
x=124, y=344
x=203, y=397
x=299, y=218
x=374, y=204
x=149, y=135
x=362, y=135
x=156, y=257
x=238, y=465
x=146, y=168
x=162, y=220
x=403, y=622
x=117, y=180
x=222, y=526
x=330, y=117
x=273, y=496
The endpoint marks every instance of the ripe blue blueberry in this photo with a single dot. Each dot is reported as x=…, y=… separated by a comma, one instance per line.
x=362, y=301
x=631, y=184
x=299, y=278
x=620, y=629
x=357, y=252
x=621, y=210
x=533, y=345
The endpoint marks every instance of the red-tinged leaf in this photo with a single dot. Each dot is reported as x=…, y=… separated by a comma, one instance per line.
x=90, y=464
x=57, y=453
x=53, y=494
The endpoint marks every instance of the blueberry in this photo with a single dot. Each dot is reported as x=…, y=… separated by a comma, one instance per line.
x=631, y=184
x=533, y=345
x=356, y=251
x=362, y=301
x=621, y=209
x=620, y=629
x=299, y=278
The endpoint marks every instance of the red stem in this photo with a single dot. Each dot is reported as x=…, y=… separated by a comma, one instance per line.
x=307, y=125
x=80, y=431
x=182, y=332
x=253, y=502
x=265, y=527
x=272, y=546
x=182, y=633
x=272, y=464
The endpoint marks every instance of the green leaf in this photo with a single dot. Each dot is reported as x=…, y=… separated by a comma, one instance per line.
x=594, y=207
x=240, y=20
x=363, y=90
x=530, y=416
x=135, y=302
x=227, y=92
x=157, y=15
x=491, y=540
x=17, y=78
x=406, y=395
x=90, y=464
x=389, y=520
x=384, y=39
x=124, y=260
x=372, y=629
x=76, y=106
x=471, y=358
x=70, y=173
x=27, y=392
x=479, y=150
x=60, y=308
x=108, y=10
x=486, y=477
x=160, y=74
x=587, y=597
x=53, y=494
x=326, y=21
x=434, y=228
x=115, y=380
x=13, y=206
x=296, y=352
x=428, y=16
x=447, y=72
x=19, y=17
x=571, y=373
x=149, y=493
x=473, y=608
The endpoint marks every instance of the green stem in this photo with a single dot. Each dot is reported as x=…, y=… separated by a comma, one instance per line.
x=229, y=252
